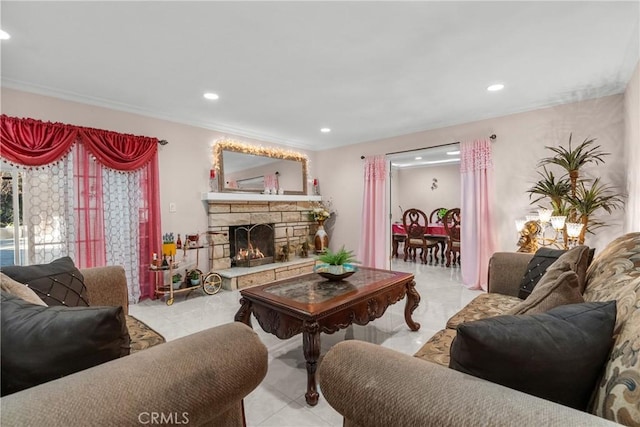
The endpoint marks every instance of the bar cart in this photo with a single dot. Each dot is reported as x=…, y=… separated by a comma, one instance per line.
x=194, y=278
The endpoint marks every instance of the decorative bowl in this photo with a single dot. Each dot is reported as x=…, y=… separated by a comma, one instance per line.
x=335, y=273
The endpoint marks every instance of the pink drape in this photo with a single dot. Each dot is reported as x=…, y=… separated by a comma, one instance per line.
x=88, y=211
x=150, y=227
x=477, y=240
x=31, y=142
x=372, y=250
x=119, y=151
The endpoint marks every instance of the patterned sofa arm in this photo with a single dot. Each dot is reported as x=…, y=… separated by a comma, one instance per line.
x=196, y=380
x=107, y=286
x=506, y=270
x=375, y=386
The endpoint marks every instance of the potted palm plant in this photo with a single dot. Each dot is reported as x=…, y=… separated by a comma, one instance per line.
x=336, y=265
x=570, y=194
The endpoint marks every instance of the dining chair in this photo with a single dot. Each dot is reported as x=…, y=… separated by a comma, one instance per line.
x=434, y=218
x=415, y=225
x=452, y=227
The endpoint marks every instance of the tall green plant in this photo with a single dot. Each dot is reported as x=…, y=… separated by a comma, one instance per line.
x=576, y=198
x=573, y=159
x=557, y=191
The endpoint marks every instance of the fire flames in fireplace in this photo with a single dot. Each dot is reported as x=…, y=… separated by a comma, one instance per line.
x=249, y=253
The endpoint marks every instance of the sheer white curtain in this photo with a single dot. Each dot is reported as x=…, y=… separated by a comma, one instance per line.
x=47, y=200
x=477, y=234
x=372, y=251
x=121, y=200
x=78, y=208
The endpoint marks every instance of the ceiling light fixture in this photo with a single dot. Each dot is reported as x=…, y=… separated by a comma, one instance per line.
x=4, y=35
x=495, y=87
x=453, y=153
x=325, y=130
x=418, y=158
x=211, y=95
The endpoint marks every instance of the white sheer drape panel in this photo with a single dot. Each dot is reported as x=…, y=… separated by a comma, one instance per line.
x=122, y=199
x=47, y=195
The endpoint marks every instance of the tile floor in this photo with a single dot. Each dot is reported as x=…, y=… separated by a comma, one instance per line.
x=279, y=400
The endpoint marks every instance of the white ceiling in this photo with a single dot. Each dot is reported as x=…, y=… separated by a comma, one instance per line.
x=283, y=70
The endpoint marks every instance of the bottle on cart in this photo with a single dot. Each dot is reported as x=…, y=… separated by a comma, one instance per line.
x=178, y=243
x=165, y=263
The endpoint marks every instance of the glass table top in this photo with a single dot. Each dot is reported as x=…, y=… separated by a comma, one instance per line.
x=312, y=288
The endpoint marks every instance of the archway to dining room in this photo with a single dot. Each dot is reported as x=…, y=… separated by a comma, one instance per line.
x=427, y=179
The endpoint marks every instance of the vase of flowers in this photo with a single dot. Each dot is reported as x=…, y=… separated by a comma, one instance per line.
x=321, y=239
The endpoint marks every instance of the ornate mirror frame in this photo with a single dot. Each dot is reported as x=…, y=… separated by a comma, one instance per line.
x=255, y=150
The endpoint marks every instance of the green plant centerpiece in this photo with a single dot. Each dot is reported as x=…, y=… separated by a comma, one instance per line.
x=336, y=265
x=571, y=194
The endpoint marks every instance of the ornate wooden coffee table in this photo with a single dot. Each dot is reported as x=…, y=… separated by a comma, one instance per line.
x=309, y=304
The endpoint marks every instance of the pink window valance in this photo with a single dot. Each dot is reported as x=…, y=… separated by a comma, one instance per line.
x=31, y=142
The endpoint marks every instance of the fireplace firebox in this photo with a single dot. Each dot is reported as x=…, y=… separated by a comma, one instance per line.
x=251, y=245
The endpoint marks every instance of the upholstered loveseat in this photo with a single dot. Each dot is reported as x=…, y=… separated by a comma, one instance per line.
x=200, y=379
x=374, y=386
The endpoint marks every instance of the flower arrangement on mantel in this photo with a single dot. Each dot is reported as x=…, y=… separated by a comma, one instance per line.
x=320, y=212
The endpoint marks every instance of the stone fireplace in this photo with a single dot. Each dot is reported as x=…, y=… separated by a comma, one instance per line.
x=286, y=216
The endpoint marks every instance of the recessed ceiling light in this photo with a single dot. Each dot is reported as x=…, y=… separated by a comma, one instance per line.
x=495, y=87
x=418, y=158
x=325, y=130
x=4, y=35
x=211, y=95
x=453, y=153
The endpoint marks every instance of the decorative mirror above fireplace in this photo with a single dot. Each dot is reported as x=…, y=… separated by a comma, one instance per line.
x=250, y=168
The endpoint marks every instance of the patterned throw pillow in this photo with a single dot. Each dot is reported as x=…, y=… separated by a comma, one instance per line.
x=545, y=259
x=56, y=283
x=538, y=265
x=552, y=291
x=558, y=355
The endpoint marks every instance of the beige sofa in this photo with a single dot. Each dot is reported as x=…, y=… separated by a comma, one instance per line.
x=374, y=386
x=200, y=379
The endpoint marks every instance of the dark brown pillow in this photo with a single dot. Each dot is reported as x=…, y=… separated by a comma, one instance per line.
x=56, y=283
x=558, y=355
x=41, y=344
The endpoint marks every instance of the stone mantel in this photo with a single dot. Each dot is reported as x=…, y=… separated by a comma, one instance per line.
x=256, y=197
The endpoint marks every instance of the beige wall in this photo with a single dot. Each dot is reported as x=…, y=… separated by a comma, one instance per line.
x=414, y=189
x=184, y=163
x=520, y=143
x=632, y=150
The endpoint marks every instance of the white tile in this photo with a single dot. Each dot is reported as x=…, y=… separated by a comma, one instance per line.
x=262, y=403
x=279, y=400
x=294, y=415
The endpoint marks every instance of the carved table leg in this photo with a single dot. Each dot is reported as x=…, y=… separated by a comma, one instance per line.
x=244, y=312
x=413, y=299
x=311, y=348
